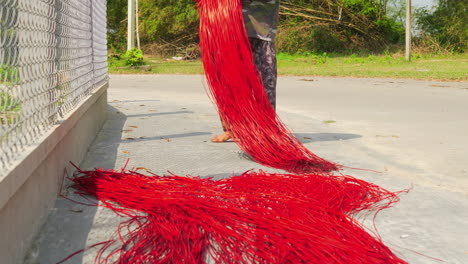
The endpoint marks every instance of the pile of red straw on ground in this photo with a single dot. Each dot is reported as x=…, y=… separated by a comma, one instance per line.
x=257, y=217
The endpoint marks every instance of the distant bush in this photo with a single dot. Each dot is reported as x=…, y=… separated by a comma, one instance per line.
x=133, y=57
x=296, y=39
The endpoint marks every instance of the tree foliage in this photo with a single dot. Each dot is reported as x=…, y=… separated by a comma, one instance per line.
x=446, y=25
x=174, y=21
x=337, y=25
x=116, y=24
x=167, y=23
x=170, y=26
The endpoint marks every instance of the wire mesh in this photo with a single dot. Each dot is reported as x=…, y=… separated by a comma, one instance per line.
x=52, y=56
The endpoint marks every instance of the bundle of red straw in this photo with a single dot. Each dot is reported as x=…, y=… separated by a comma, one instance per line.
x=236, y=88
x=252, y=218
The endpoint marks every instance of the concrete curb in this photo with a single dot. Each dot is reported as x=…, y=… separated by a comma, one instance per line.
x=29, y=189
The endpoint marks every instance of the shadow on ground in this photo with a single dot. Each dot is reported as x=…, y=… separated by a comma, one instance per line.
x=69, y=224
x=160, y=114
x=316, y=137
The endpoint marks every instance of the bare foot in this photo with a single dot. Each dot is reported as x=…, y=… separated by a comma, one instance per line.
x=221, y=138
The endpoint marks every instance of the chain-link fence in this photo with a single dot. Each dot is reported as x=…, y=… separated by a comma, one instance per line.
x=52, y=56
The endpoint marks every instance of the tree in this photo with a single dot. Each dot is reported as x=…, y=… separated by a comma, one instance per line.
x=396, y=10
x=446, y=25
x=169, y=21
x=337, y=25
x=117, y=28
x=170, y=26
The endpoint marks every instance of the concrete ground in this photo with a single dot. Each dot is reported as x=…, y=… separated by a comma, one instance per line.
x=414, y=132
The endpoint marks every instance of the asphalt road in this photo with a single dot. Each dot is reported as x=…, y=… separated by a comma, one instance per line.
x=414, y=133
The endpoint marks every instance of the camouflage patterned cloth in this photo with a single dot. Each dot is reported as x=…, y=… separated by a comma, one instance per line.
x=261, y=21
x=264, y=53
x=261, y=18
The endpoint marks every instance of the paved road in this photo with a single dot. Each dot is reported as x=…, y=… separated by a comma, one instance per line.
x=414, y=132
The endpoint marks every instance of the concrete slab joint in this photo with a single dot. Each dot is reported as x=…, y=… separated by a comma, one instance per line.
x=30, y=187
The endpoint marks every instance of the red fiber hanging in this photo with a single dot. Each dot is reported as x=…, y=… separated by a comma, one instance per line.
x=236, y=88
x=257, y=217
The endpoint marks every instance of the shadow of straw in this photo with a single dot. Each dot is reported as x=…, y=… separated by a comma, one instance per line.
x=317, y=137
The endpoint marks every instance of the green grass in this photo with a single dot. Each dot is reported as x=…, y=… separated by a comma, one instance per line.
x=157, y=66
x=425, y=67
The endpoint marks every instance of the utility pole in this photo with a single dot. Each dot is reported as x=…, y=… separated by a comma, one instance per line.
x=131, y=25
x=137, y=26
x=408, y=30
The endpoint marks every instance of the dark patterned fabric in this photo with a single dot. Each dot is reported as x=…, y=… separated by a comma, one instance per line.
x=264, y=53
x=261, y=18
x=265, y=58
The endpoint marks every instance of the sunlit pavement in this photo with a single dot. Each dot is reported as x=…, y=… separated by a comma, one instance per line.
x=415, y=133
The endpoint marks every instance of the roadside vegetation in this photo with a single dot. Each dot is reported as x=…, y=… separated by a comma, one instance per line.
x=425, y=67
x=358, y=38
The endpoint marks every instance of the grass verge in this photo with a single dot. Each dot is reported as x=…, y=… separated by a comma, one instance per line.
x=424, y=67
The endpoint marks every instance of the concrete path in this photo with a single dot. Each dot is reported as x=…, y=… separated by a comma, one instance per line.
x=414, y=132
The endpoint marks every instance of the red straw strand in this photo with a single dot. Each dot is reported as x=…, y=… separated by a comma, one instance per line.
x=257, y=217
x=237, y=89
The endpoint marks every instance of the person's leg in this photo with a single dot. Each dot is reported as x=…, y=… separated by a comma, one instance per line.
x=264, y=54
x=223, y=137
